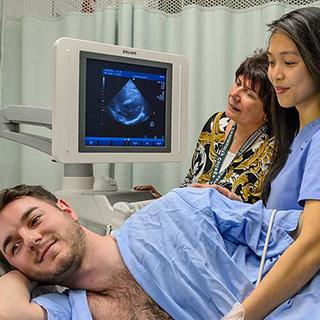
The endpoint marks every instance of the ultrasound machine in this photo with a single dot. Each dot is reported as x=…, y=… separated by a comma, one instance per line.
x=112, y=104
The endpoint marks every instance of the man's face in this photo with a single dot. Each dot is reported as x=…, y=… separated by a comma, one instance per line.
x=42, y=241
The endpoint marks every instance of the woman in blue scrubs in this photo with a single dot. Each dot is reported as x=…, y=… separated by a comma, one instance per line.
x=293, y=180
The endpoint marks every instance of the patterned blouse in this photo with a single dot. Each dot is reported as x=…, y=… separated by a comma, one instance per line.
x=246, y=172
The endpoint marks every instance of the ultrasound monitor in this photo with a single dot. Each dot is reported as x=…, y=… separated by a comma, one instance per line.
x=124, y=107
x=118, y=104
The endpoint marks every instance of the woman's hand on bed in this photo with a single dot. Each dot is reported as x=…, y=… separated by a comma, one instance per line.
x=226, y=192
x=150, y=188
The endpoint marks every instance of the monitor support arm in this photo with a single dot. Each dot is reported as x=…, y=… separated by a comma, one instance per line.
x=99, y=210
x=12, y=117
x=76, y=176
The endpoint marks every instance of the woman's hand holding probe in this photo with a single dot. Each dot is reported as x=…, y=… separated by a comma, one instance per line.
x=236, y=313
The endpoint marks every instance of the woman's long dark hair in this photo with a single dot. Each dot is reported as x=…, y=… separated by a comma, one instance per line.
x=303, y=27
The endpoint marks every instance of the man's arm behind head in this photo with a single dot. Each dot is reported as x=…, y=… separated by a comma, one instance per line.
x=15, y=291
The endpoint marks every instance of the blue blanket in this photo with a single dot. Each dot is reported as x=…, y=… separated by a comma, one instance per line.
x=196, y=253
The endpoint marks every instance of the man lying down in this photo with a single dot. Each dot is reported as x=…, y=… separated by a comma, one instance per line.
x=190, y=255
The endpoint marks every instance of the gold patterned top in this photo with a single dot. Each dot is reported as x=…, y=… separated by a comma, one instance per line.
x=246, y=172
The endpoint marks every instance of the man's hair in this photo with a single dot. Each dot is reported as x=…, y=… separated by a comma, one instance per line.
x=9, y=195
x=38, y=192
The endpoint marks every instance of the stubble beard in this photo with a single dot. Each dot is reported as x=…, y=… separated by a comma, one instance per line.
x=65, y=269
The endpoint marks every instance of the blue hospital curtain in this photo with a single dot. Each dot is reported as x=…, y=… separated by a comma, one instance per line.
x=215, y=36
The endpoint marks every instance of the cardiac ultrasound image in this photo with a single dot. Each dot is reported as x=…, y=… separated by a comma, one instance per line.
x=128, y=106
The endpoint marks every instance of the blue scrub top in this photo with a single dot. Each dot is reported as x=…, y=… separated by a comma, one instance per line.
x=299, y=180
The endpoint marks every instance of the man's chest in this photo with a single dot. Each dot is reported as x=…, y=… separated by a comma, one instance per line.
x=123, y=301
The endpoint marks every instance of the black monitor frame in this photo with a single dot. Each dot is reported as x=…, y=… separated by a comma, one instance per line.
x=125, y=63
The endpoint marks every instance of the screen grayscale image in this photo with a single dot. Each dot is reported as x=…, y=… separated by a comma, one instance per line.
x=129, y=107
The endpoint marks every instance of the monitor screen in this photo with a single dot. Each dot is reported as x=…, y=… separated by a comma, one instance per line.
x=124, y=107
x=118, y=104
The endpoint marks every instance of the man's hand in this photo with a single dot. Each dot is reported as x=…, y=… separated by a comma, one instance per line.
x=15, y=303
x=226, y=192
x=150, y=188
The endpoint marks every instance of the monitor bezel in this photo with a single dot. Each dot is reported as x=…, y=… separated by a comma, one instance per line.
x=65, y=113
x=84, y=55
